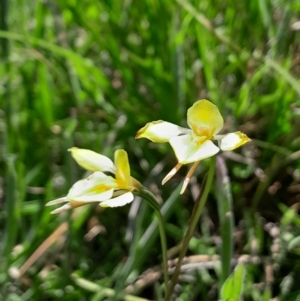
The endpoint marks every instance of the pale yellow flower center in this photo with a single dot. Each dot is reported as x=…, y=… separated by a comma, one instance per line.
x=207, y=132
x=200, y=139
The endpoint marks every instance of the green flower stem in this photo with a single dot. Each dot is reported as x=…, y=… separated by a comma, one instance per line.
x=197, y=210
x=226, y=217
x=151, y=199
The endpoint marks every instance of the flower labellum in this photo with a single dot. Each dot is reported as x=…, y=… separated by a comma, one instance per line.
x=194, y=144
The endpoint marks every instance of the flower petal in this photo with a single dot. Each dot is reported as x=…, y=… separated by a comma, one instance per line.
x=92, y=198
x=171, y=173
x=98, y=187
x=57, y=201
x=160, y=131
x=92, y=161
x=204, y=118
x=65, y=207
x=119, y=200
x=188, y=149
x=189, y=176
x=122, y=168
x=96, y=183
x=232, y=141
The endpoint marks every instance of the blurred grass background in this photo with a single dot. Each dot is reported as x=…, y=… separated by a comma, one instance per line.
x=89, y=74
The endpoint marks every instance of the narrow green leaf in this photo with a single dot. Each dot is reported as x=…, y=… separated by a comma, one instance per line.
x=233, y=286
x=295, y=242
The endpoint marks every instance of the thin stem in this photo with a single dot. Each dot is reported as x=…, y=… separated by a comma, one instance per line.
x=163, y=246
x=226, y=218
x=198, y=208
x=151, y=199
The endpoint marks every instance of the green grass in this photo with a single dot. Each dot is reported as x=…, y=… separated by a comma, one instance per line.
x=90, y=74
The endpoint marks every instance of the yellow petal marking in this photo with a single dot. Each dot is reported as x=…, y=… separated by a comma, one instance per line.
x=100, y=188
x=96, y=182
x=97, y=187
x=234, y=140
x=204, y=119
x=91, y=198
x=122, y=169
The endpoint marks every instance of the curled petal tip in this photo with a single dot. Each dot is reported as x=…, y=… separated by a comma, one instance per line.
x=139, y=133
x=234, y=140
x=142, y=133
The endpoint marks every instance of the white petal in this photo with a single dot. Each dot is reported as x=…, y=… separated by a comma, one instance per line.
x=65, y=207
x=188, y=177
x=91, y=160
x=85, y=186
x=160, y=131
x=171, y=173
x=119, y=201
x=189, y=149
x=93, y=197
x=57, y=201
x=232, y=141
x=78, y=188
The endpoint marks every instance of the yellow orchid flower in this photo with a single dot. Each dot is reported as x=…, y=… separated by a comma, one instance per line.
x=194, y=144
x=100, y=188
